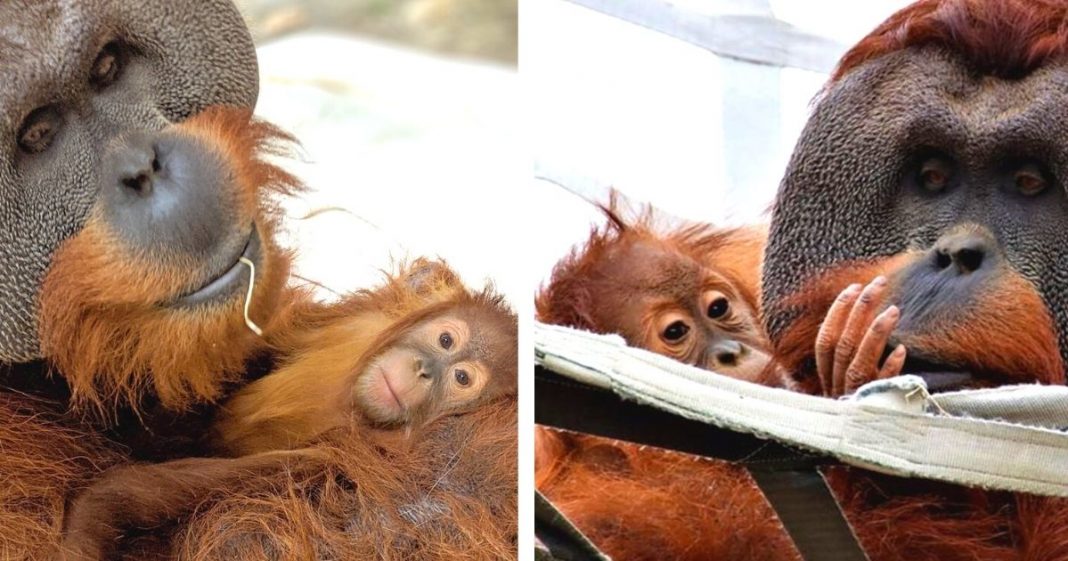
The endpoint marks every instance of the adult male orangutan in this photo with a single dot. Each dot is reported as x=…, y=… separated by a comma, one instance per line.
x=92, y=93
x=921, y=220
x=935, y=157
x=141, y=284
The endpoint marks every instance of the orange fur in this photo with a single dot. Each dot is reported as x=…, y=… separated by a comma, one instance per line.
x=43, y=458
x=642, y=503
x=101, y=327
x=913, y=520
x=446, y=491
x=734, y=253
x=287, y=408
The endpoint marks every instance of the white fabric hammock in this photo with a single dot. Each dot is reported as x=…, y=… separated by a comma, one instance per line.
x=1007, y=438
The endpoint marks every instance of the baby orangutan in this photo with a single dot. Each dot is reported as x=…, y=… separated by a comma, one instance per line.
x=692, y=293
x=381, y=363
x=420, y=347
x=689, y=292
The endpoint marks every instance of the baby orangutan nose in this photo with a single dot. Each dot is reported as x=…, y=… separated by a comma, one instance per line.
x=420, y=368
x=728, y=353
x=167, y=190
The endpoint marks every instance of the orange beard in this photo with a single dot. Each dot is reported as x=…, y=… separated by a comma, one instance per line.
x=970, y=341
x=103, y=326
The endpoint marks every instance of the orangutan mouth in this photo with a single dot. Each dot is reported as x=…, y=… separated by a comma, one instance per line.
x=392, y=392
x=941, y=377
x=230, y=280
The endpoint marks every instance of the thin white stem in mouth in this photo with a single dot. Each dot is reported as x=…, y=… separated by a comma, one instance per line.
x=248, y=296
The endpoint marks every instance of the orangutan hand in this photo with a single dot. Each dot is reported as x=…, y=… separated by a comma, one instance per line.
x=852, y=339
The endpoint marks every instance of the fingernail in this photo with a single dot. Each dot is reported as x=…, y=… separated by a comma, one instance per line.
x=900, y=350
x=852, y=288
x=879, y=281
x=892, y=311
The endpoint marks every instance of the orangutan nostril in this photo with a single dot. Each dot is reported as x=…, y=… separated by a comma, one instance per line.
x=140, y=182
x=943, y=260
x=727, y=359
x=970, y=259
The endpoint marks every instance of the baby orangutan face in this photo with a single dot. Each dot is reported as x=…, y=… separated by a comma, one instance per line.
x=665, y=301
x=441, y=365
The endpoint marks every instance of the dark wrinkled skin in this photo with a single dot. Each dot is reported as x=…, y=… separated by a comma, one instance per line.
x=186, y=55
x=854, y=156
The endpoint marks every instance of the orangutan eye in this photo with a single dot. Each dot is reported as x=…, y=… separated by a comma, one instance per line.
x=676, y=331
x=718, y=308
x=108, y=66
x=462, y=377
x=39, y=129
x=934, y=174
x=1030, y=180
x=445, y=340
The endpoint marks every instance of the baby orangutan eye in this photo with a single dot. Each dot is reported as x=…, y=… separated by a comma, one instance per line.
x=676, y=331
x=718, y=308
x=462, y=377
x=445, y=340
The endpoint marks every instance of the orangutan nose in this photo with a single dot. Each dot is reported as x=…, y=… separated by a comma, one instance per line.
x=964, y=253
x=164, y=190
x=728, y=353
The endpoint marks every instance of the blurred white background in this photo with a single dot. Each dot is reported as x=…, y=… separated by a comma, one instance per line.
x=414, y=121
x=408, y=115
x=701, y=136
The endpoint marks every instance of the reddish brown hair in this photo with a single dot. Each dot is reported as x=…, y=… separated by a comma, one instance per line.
x=100, y=326
x=987, y=346
x=569, y=296
x=1004, y=38
x=449, y=493
x=638, y=502
x=44, y=459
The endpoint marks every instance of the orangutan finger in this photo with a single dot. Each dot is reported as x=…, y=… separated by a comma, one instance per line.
x=865, y=365
x=830, y=331
x=860, y=319
x=894, y=363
